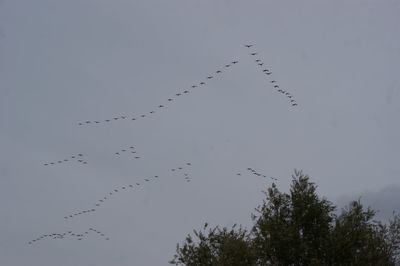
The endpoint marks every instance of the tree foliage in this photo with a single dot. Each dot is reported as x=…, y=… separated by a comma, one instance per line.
x=297, y=228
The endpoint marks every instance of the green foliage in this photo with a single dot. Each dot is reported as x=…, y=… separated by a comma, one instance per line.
x=297, y=228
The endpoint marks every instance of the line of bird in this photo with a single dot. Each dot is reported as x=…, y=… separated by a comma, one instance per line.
x=274, y=83
x=79, y=157
x=163, y=105
x=69, y=234
x=73, y=158
x=117, y=190
x=254, y=172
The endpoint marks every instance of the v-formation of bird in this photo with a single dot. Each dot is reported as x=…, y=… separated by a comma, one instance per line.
x=131, y=150
x=160, y=106
x=129, y=187
x=274, y=83
x=71, y=235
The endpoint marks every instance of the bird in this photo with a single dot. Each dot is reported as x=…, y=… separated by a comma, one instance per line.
x=151, y=112
x=253, y=54
x=116, y=118
x=87, y=122
x=273, y=81
x=258, y=60
x=137, y=157
x=130, y=185
x=235, y=62
x=268, y=73
x=137, y=184
x=295, y=104
x=80, y=154
x=123, y=150
x=186, y=92
x=202, y=83
x=133, y=119
x=227, y=65
x=143, y=115
x=147, y=180
x=96, y=122
x=218, y=71
x=131, y=147
x=46, y=164
x=117, y=153
x=260, y=64
x=161, y=106
x=80, y=124
x=194, y=86
x=123, y=117
x=210, y=77
x=169, y=99
x=248, y=45
x=276, y=86
x=238, y=174
x=188, y=164
x=107, y=120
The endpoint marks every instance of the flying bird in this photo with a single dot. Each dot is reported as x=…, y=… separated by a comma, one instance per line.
x=194, y=86
x=161, y=106
x=218, y=71
x=210, y=77
x=202, y=83
x=235, y=62
x=258, y=60
x=248, y=45
x=253, y=54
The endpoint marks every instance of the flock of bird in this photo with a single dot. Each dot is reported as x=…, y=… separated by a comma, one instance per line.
x=117, y=190
x=73, y=158
x=274, y=83
x=69, y=234
x=167, y=101
x=132, y=151
x=254, y=172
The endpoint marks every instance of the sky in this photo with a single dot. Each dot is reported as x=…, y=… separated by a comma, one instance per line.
x=67, y=62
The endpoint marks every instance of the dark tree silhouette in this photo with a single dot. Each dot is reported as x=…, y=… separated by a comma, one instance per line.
x=297, y=228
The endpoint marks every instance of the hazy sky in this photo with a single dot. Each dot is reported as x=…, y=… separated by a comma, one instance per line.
x=66, y=62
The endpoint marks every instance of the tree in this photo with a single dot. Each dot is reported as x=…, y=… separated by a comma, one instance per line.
x=297, y=228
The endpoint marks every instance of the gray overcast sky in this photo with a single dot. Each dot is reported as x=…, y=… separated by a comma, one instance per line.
x=64, y=62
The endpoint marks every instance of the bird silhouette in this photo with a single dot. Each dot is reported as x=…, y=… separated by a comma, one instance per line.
x=248, y=45
x=253, y=54
x=202, y=83
x=235, y=62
